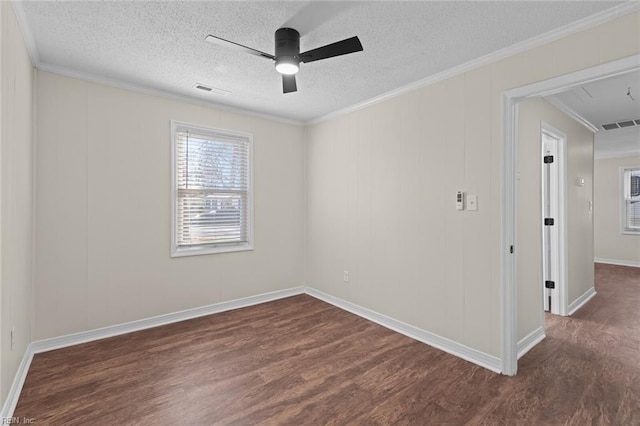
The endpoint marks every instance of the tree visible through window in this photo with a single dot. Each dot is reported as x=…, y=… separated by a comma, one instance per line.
x=212, y=199
x=631, y=200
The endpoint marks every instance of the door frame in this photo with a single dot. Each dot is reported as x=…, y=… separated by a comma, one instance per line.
x=560, y=306
x=510, y=100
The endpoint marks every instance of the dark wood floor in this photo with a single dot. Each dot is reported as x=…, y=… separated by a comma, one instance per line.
x=300, y=361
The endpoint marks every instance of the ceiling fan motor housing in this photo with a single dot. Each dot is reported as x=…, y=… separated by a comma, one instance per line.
x=287, y=46
x=287, y=53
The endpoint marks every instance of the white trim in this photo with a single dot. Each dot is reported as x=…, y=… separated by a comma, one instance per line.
x=137, y=88
x=619, y=262
x=143, y=324
x=477, y=357
x=530, y=340
x=482, y=359
x=572, y=113
x=510, y=99
x=567, y=30
x=542, y=39
x=45, y=345
x=560, y=307
x=25, y=29
x=580, y=301
x=16, y=386
x=204, y=249
x=567, y=81
x=508, y=279
x=622, y=170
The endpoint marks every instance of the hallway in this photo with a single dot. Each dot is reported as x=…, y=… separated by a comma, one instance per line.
x=589, y=364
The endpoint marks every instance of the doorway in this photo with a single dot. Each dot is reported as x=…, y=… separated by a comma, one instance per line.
x=511, y=99
x=553, y=160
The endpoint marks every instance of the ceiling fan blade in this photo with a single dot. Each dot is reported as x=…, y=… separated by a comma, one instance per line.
x=217, y=40
x=350, y=45
x=289, y=83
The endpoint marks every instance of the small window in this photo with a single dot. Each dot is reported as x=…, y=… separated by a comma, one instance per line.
x=631, y=200
x=211, y=193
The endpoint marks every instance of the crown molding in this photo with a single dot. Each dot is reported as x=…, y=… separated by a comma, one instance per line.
x=120, y=84
x=32, y=50
x=553, y=35
x=572, y=113
x=583, y=24
x=27, y=33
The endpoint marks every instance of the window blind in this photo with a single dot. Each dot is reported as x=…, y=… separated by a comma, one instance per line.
x=631, y=179
x=212, y=186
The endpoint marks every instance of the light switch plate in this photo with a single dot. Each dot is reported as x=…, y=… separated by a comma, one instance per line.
x=472, y=202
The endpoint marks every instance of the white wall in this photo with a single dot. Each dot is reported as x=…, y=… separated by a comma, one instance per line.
x=579, y=223
x=103, y=209
x=382, y=182
x=610, y=243
x=16, y=226
x=380, y=197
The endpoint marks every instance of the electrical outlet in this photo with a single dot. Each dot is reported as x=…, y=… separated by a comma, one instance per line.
x=345, y=276
x=13, y=333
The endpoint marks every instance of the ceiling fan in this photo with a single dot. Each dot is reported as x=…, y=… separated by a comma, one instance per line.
x=288, y=56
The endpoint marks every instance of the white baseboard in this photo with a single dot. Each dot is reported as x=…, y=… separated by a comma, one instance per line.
x=16, y=387
x=115, y=330
x=617, y=262
x=482, y=359
x=530, y=340
x=580, y=301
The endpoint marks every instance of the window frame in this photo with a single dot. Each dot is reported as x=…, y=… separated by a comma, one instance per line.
x=623, y=201
x=208, y=248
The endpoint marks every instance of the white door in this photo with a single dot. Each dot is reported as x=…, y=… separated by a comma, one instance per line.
x=550, y=223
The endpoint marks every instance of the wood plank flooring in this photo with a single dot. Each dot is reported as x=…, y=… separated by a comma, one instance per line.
x=301, y=361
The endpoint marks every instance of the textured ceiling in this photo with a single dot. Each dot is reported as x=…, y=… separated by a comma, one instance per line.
x=160, y=45
x=606, y=101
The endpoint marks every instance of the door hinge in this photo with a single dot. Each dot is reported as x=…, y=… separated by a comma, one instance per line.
x=548, y=159
x=550, y=284
x=511, y=249
x=548, y=221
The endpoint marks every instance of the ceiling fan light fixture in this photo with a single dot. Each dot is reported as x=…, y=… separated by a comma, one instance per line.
x=288, y=56
x=287, y=66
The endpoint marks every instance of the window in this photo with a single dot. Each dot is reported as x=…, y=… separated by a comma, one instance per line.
x=631, y=200
x=211, y=190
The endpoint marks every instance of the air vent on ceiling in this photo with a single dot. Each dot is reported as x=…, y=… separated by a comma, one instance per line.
x=610, y=126
x=621, y=124
x=201, y=87
x=211, y=89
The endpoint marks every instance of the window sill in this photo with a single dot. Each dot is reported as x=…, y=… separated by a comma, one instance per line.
x=203, y=250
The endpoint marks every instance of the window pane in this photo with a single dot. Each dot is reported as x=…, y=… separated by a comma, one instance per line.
x=211, y=163
x=211, y=218
x=211, y=187
x=632, y=200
